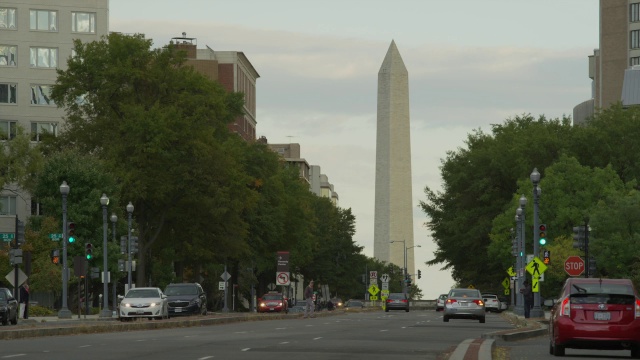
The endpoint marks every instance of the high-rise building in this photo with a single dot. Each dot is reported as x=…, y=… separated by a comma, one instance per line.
x=36, y=38
x=393, y=229
x=619, y=50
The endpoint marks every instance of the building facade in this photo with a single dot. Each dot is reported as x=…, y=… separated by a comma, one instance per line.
x=36, y=38
x=234, y=71
x=619, y=50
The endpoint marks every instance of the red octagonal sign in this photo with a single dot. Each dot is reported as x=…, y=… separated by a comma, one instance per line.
x=574, y=265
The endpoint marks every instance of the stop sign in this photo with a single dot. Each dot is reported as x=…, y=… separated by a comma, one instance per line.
x=574, y=265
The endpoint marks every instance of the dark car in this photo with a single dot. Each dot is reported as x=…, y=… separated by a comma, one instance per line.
x=397, y=301
x=186, y=299
x=596, y=313
x=354, y=304
x=8, y=307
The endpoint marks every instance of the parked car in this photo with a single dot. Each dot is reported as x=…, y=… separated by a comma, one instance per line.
x=354, y=304
x=8, y=307
x=491, y=302
x=440, y=302
x=596, y=313
x=273, y=302
x=397, y=301
x=186, y=299
x=144, y=302
x=463, y=303
x=337, y=302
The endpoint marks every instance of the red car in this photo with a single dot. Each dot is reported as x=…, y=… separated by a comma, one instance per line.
x=594, y=313
x=273, y=302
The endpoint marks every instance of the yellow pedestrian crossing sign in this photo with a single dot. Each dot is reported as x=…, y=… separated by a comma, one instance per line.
x=374, y=290
x=536, y=267
x=511, y=272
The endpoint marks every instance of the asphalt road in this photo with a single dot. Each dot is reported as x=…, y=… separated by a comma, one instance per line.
x=538, y=349
x=375, y=335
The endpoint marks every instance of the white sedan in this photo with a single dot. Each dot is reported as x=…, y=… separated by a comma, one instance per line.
x=144, y=302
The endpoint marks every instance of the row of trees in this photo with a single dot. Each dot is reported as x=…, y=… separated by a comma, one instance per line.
x=143, y=127
x=589, y=173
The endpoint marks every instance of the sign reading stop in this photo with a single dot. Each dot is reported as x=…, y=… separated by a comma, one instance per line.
x=574, y=265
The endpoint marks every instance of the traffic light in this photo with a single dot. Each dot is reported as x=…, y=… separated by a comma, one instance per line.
x=55, y=256
x=547, y=257
x=419, y=274
x=542, y=234
x=88, y=251
x=592, y=267
x=71, y=232
x=408, y=281
x=579, y=237
x=134, y=244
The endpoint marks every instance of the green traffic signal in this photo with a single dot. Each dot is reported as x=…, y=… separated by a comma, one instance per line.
x=542, y=234
x=88, y=251
x=71, y=232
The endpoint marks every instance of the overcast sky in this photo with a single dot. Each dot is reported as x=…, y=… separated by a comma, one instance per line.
x=471, y=64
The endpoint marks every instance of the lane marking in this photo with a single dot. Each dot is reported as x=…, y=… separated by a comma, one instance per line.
x=11, y=356
x=318, y=338
x=284, y=342
x=245, y=349
x=205, y=358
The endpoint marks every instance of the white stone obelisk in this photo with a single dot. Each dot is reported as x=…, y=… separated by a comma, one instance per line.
x=393, y=202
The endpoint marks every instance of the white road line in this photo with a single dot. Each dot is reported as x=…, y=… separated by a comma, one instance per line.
x=281, y=328
x=245, y=349
x=240, y=332
x=383, y=330
x=205, y=358
x=318, y=338
x=83, y=346
x=285, y=342
x=12, y=356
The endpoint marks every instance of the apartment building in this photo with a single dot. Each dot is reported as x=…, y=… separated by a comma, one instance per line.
x=619, y=50
x=36, y=38
x=234, y=71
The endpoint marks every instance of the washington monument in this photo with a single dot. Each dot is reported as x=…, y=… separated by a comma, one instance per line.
x=393, y=230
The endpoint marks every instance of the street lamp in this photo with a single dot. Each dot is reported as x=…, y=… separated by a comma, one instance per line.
x=114, y=219
x=130, y=212
x=535, y=180
x=64, y=312
x=520, y=213
x=104, y=201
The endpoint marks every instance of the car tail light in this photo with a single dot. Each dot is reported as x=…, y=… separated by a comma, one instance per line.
x=451, y=301
x=637, y=308
x=405, y=300
x=565, y=307
x=479, y=302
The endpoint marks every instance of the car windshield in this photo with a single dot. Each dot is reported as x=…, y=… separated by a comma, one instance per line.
x=180, y=290
x=464, y=293
x=396, y=296
x=142, y=294
x=443, y=297
x=490, y=296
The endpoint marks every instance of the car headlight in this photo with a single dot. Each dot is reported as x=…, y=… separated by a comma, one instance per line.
x=3, y=308
x=153, y=304
x=195, y=301
x=125, y=304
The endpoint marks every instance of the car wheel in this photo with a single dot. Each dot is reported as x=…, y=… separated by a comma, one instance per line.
x=635, y=351
x=445, y=318
x=558, y=350
x=15, y=319
x=406, y=310
x=482, y=319
x=5, y=320
x=386, y=309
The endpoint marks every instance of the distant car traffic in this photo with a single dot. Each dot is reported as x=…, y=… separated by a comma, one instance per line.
x=440, y=302
x=273, y=302
x=354, y=304
x=144, y=302
x=397, y=301
x=491, y=302
x=596, y=313
x=337, y=302
x=464, y=303
x=8, y=307
x=186, y=299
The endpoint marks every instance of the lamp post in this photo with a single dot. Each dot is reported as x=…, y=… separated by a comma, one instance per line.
x=536, y=312
x=64, y=312
x=104, y=201
x=114, y=219
x=520, y=213
x=130, y=212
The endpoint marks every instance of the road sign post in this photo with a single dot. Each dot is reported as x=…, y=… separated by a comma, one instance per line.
x=574, y=265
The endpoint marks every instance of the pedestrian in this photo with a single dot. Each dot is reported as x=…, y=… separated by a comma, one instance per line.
x=308, y=295
x=24, y=301
x=528, y=298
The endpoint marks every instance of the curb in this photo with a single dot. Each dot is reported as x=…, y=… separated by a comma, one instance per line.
x=518, y=335
x=481, y=349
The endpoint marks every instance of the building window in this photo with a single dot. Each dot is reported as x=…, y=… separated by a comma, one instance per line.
x=36, y=207
x=41, y=95
x=8, y=55
x=83, y=22
x=634, y=61
x=7, y=129
x=7, y=205
x=40, y=130
x=635, y=39
x=634, y=12
x=43, y=57
x=43, y=20
x=7, y=18
x=8, y=93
